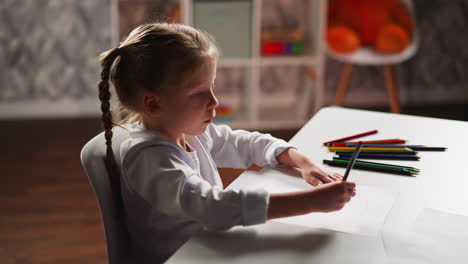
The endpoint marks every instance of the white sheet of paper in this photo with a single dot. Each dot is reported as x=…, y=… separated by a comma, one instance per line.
x=364, y=214
x=434, y=237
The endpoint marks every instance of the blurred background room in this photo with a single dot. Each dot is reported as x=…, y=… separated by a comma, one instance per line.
x=276, y=71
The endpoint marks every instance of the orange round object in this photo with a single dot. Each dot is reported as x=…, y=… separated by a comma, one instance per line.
x=342, y=39
x=366, y=17
x=401, y=16
x=392, y=38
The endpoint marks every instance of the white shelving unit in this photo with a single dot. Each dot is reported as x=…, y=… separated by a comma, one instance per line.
x=275, y=91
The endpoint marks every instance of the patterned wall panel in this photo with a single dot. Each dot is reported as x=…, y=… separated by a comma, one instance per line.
x=48, y=55
x=48, y=51
x=436, y=74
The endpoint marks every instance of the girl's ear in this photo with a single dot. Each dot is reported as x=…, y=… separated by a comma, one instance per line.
x=152, y=104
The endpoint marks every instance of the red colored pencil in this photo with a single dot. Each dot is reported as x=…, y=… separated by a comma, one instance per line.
x=350, y=137
x=383, y=141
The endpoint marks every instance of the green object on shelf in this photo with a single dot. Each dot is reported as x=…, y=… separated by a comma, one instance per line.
x=230, y=23
x=298, y=48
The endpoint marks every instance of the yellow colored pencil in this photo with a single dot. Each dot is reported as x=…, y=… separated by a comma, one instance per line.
x=333, y=149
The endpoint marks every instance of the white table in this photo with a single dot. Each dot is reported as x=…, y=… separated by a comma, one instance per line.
x=442, y=185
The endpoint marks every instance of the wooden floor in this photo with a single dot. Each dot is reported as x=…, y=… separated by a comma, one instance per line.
x=49, y=213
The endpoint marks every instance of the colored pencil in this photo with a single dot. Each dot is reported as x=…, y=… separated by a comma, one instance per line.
x=383, y=156
x=333, y=149
x=413, y=147
x=350, y=137
x=402, y=152
x=382, y=141
x=385, y=165
x=380, y=164
x=385, y=145
x=369, y=167
x=424, y=148
x=352, y=161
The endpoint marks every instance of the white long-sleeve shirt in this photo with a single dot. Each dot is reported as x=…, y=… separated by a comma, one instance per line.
x=170, y=193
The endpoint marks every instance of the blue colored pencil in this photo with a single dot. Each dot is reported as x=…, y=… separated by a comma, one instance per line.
x=382, y=156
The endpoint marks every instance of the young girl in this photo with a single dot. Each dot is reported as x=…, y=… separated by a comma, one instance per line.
x=168, y=184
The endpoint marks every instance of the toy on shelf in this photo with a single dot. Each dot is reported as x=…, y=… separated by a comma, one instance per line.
x=384, y=25
x=282, y=42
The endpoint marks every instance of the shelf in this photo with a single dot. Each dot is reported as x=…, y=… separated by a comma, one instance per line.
x=230, y=22
x=287, y=60
x=231, y=90
x=289, y=27
x=284, y=93
x=234, y=62
x=259, y=91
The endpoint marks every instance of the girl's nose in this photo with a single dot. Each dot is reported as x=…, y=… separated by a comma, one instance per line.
x=213, y=101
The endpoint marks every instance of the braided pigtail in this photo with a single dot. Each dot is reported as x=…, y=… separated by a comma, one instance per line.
x=107, y=59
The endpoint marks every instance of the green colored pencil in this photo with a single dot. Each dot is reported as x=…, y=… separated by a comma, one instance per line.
x=380, y=164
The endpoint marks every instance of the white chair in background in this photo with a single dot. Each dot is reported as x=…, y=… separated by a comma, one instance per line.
x=366, y=56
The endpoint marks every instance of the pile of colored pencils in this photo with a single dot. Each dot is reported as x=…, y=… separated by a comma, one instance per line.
x=385, y=149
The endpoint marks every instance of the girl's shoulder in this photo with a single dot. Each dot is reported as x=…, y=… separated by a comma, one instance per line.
x=141, y=140
x=217, y=131
x=213, y=134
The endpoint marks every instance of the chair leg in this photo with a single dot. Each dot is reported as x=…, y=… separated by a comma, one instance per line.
x=392, y=90
x=343, y=85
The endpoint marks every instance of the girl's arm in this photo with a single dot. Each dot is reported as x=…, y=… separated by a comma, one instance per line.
x=313, y=173
x=331, y=196
x=240, y=148
x=325, y=198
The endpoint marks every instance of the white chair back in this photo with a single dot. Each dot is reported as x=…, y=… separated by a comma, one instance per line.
x=92, y=158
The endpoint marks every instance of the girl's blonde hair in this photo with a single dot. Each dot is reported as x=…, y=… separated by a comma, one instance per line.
x=154, y=57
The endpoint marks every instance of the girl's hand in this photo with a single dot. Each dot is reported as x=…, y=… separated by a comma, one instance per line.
x=316, y=175
x=311, y=172
x=332, y=196
x=327, y=197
